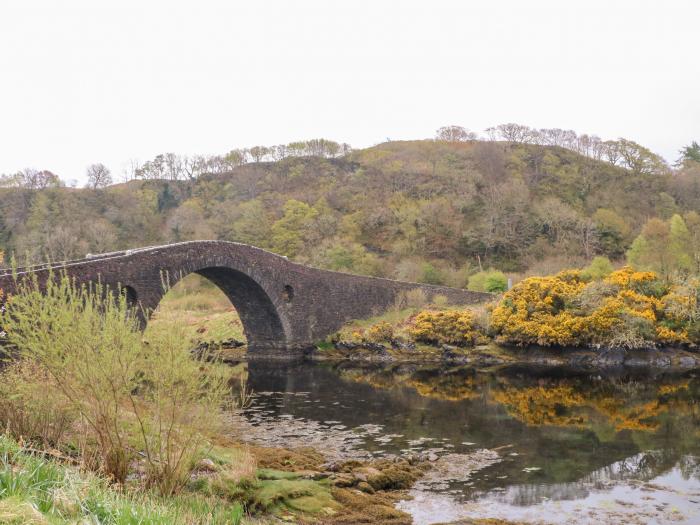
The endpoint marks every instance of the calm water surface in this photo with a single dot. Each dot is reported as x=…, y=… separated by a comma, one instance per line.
x=535, y=445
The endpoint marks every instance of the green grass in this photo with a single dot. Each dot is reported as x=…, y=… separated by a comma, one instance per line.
x=201, y=308
x=38, y=491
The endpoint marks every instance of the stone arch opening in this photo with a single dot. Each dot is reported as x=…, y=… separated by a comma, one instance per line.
x=259, y=318
x=132, y=298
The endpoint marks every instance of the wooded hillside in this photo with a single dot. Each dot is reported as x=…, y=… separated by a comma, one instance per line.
x=428, y=210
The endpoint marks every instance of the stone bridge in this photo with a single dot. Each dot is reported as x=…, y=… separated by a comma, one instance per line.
x=283, y=306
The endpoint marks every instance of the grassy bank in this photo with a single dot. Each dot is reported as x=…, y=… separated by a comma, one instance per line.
x=103, y=424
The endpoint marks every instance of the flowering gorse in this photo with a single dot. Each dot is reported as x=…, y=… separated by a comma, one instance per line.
x=627, y=309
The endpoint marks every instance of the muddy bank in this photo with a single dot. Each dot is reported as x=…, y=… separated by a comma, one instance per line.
x=492, y=354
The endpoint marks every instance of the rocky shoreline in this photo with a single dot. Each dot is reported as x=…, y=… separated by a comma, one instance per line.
x=234, y=351
x=492, y=354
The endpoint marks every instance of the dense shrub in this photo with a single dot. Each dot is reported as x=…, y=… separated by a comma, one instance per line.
x=130, y=397
x=488, y=281
x=455, y=327
x=32, y=408
x=627, y=309
x=381, y=332
x=600, y=267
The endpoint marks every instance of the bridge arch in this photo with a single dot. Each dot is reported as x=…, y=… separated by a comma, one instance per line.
x=263, y=323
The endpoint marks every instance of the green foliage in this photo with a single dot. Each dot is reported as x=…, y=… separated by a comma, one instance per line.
x=431, y=275
x=488, y=281
x=689, y=154
x=32, y=406
x=37, y=491
x=287, y=234
x=415, y=210
x=129, y=395
x=613, y=232
x=667, y=247
x=600, y=267
x=348, y=257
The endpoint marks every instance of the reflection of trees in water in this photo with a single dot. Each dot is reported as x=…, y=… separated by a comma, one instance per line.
x=644, y=466
x=448, y=384
x=582, y=402
x=459, y=404
x=578, y=400
x=689, y=467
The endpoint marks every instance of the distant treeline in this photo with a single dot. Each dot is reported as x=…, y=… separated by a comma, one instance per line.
x=171, y=166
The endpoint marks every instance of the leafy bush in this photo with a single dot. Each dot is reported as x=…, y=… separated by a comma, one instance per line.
x=488, y=281
x=380, y=332
x=129, y=395
x=430, y=274
x=627, y=309
x=600, y=267
x=449, y=326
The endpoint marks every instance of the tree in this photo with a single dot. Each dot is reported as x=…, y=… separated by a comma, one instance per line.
x=649, y=251
x=289, y=232
x=512, y=132
x=98, y=176
x=679, y=245
x=666, y=206
x=430, y=274
x=600, y=267
x=689, y=154
x=692, y=220
x=455, y=134
x=639, y=159
x=612, y=231
x=31, y=179
x=258, y=153
x=188, y=223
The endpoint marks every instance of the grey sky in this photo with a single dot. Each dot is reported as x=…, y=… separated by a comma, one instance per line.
x=96, y=81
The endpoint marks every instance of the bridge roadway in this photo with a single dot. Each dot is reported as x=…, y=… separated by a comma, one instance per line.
x=285, y=307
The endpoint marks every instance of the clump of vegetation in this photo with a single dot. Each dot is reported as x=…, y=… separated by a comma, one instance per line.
x=600, y=267
x=129, y=399
x=627, y=309
x=31, y=408
x=488, y=281
x=381, y=332
x=41, y=491
x=668, y=247
x=403, y=209
x=456, y=327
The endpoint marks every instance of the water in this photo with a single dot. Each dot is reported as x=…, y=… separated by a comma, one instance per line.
x=532, y=445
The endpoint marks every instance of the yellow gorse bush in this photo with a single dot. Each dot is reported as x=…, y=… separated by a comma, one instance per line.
x=626, y=309
x=381, y=332
x=455, y=327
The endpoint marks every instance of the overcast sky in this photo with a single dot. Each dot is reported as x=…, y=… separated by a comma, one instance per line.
x=98, y=81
